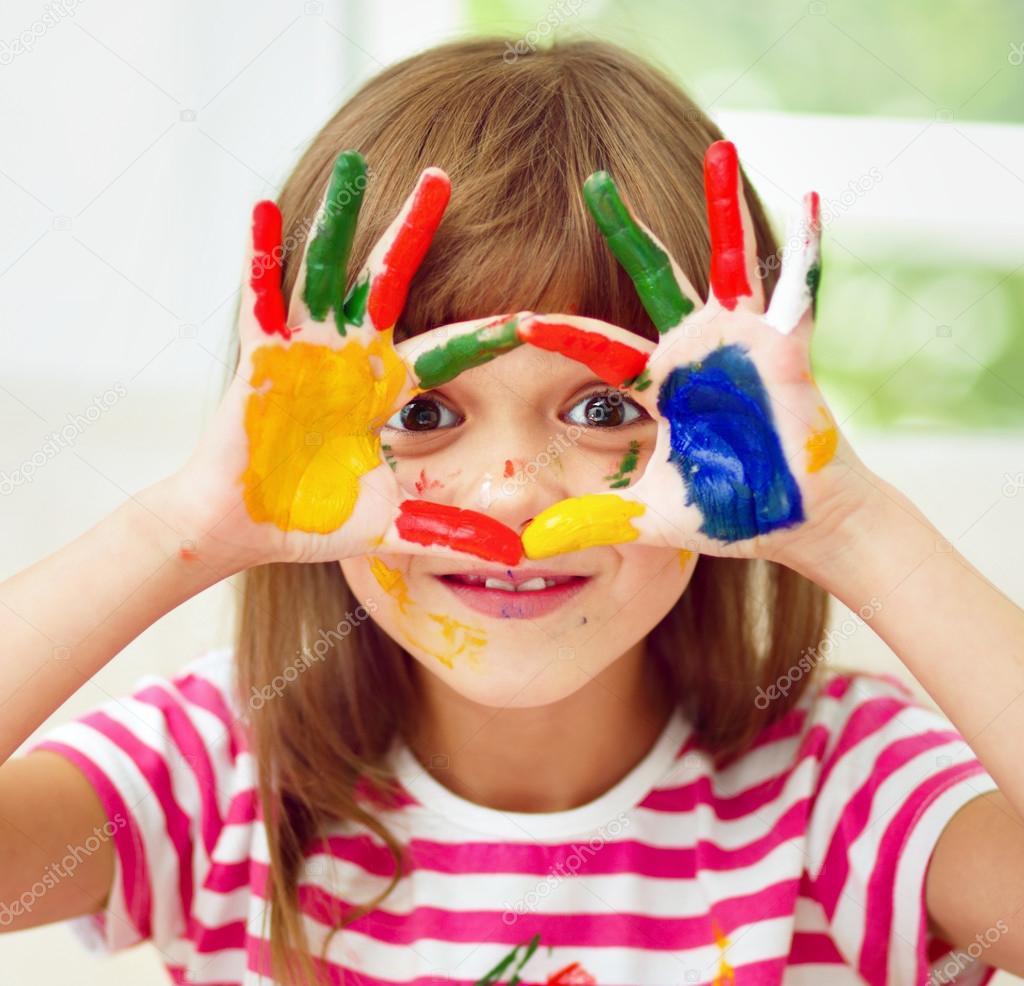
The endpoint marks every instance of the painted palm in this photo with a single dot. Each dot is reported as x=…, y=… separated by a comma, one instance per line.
x=317, y=382
x=746, y=445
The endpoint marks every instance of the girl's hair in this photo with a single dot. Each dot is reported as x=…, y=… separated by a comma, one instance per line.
x=518, y=136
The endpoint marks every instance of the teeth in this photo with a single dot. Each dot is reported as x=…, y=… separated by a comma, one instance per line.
x=530, y=585
x=499, y=584
x=537, y=583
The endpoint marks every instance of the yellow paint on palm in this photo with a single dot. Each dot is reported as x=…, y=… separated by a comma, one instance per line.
x=581, y=522
x=822, y=444
x=310, y=425
x=391, y=581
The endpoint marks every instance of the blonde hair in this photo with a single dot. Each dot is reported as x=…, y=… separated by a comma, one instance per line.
x=518, y=138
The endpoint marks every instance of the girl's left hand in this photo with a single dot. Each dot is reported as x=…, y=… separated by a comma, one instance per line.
x=748, y=460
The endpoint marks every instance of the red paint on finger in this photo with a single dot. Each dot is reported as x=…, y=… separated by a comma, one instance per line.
x=725, y=218
x=265, y=270
x=423, y=522
x=404, y=255
x=613, y=361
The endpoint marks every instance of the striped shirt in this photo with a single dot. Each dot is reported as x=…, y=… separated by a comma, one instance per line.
x=801, y=861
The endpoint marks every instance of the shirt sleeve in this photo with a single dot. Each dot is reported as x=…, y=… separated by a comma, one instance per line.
x=161, y=761
x=892, y=774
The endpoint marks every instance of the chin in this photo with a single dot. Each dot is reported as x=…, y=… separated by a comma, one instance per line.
x=509, y=682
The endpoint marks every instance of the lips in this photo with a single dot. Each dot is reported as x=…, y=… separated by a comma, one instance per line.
x=513, y=594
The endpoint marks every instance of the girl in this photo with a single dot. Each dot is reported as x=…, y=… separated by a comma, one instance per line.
x=527, y=685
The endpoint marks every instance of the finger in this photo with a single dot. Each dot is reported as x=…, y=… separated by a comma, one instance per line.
x=581, y=522
x=422, y=522
x=262, y=292
x=326, y=259
x=797, y=288
x=663, y=289
x=382, y=288
x=382, y=521
x=440, y=355
x=614, y=354
x=734, y=280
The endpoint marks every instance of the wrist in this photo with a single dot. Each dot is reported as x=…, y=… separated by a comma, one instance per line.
x=177, y=521
x=855, y=560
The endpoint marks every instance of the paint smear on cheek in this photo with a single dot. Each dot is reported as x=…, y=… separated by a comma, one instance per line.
x=391, y=581
x=822, y=444
x=485, y=491
x=310, y=429
x=423, y=483
x=621, y=477
x=509, y=469
x=461, y=640
x=725, y=446
x=581, y=522
x=684, y=557
x=458, y=640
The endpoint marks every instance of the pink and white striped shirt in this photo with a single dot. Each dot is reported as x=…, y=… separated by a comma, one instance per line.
x=803, y=861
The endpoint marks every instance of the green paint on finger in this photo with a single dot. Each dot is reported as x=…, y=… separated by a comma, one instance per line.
x=640, y=382
x=328, y=252
x=647, y=264
x=620, y=478
x=813, y=280
x=354, y=308
x=447, y=361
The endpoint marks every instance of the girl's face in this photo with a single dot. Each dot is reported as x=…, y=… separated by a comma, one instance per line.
x=508, y=439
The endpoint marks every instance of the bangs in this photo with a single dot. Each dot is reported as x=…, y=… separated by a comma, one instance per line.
x=518, y=139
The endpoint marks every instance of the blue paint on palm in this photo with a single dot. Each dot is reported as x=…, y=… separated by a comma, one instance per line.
x=725, y=446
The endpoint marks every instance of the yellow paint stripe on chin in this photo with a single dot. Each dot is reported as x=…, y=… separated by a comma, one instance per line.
x=310, y=426
x=581, y=522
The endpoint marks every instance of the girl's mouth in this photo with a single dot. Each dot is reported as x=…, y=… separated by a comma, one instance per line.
x=513, y=598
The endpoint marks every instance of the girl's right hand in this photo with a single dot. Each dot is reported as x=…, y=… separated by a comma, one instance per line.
x=290, y=468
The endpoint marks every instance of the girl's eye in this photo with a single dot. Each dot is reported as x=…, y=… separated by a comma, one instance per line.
x=608, y=409
x=422, y=414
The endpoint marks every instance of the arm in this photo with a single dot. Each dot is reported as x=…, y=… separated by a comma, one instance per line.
x=65, y=617
x=963, y=640
x=61, y=621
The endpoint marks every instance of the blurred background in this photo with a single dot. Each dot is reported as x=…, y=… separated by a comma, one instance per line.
x=139, y=135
